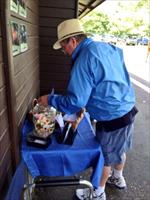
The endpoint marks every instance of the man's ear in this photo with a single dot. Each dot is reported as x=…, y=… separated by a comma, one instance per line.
x=74, y=42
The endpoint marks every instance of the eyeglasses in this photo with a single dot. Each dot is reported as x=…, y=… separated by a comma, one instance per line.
x=63, y=49
x=64, y=45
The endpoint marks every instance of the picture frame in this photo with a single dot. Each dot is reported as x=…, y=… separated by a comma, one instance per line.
x=15, y=38
x=23, y=38
x=14, y=6
x=22, y=8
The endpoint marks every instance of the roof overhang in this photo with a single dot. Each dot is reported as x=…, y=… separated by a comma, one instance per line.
x=86, y=6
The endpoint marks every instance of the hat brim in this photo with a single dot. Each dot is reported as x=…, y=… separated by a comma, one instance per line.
x=57, y=43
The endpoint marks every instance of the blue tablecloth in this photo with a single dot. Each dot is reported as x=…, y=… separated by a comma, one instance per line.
x=65, y=160
x=17, y=183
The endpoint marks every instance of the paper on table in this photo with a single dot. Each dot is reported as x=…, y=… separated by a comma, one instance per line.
x=52, y=91
x=60, y=120
x=67, y=132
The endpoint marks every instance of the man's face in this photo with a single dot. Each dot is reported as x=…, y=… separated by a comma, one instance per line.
x=68, y=46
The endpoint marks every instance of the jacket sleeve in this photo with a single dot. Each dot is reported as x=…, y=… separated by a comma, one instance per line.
x=79, y=88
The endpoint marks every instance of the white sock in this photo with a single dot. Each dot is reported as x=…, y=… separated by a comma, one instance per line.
x=99, y=190
x=117, y=173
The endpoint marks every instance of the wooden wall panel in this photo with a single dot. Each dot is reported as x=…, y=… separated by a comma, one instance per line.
x=24, y=85
x=33, y=5
x=30, y=56
x=5, y=144
x=3, y=147
x=28, y=98
x=6, y=157
x=32, y=29
x=32, y=15
x=33, y=42
x=58, y=69
x=60, y=13
x=57, y=4
x=25, y=75
x=3, y=120
x=3, y=105
x=0, y=49
x=48, y=32
x=51, y=14
x=49, y=22
x=54, y=60
x=2, y=80
x=26, y=64
x=5, y=170
x=0, y=28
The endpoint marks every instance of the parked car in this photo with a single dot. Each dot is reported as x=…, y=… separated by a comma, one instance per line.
x=110, y=38
x=105, y=38
x=131, y=41
x=113, y=39
x=142, y=41
x=121, y=40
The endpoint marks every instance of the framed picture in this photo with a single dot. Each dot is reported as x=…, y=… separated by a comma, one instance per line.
x=23, y=38
x=14, y=5
x=22, y=8
x=15, y=38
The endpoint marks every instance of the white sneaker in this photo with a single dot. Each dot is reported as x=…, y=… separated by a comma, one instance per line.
x=83, y=194
x=118, y=182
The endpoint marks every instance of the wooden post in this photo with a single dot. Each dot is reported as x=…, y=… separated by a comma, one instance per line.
x=9, y=79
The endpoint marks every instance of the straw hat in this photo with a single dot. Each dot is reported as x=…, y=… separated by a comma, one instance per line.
x=66, y=29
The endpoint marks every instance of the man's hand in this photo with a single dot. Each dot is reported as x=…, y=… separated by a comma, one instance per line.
x=80, y=116
x=43, y=100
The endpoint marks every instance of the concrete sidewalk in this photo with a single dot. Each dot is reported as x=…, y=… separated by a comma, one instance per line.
x=137, y=170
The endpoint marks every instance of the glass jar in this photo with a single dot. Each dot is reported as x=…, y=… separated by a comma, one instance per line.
x=44, y=120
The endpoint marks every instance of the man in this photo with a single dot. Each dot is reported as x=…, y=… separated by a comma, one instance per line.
x=100, y=83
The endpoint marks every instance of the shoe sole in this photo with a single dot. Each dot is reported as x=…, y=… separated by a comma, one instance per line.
x=120, y=188
x=77, y=198
x=113, y=185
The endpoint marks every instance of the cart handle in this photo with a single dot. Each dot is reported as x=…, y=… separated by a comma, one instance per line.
x=42, y=181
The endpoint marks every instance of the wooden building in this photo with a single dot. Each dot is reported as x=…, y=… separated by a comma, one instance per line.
x=29, y=67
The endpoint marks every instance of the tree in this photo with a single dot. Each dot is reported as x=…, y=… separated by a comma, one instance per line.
x=128, y=17
x=96, y=23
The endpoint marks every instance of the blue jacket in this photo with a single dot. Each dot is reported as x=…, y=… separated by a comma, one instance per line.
x=99, y=81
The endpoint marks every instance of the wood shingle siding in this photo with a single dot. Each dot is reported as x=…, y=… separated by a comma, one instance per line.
x=54, y=65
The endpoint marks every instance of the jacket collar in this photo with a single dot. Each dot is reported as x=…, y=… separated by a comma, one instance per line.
x=79, y=48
